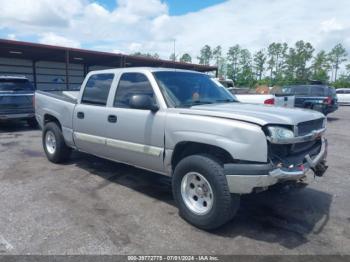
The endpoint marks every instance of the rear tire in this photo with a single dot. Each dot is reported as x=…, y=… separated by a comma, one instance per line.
x=201, y=192
x=54, y=145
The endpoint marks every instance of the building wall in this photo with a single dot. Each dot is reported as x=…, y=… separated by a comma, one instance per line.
x=49, y=75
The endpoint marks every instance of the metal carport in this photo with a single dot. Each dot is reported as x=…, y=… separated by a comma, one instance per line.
x=56, y=68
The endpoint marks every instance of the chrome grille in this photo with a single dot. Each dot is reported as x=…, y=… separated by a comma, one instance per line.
x=307, y=127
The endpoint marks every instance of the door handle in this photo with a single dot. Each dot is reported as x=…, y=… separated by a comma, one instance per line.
x=112, y=119
x=80, y=115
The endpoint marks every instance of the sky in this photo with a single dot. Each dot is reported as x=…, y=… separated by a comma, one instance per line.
x=128, y=26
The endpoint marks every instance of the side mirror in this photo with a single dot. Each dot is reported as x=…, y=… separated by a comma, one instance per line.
x=144, y=102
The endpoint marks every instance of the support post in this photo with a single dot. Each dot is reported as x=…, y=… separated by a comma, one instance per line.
x=86, y=69
x=34, y=74
x=67, y=69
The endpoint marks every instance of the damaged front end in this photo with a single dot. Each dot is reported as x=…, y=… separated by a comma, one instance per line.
x=291, y=154
x=305, y=149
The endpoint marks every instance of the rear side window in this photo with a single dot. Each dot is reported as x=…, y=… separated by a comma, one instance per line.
x=300, y=90
x=15, y=85
x=318, y=91
x=132, y=84
x=97, y=89
x=340, y=92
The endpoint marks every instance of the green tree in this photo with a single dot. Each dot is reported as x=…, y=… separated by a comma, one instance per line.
x=217, y=54
x=320, y=66
x=173, y=57
x=186, y=58
x=342, y=82
x=303, y=54
x=245, y=77
x=219, y=60
x=337, y=56
x=277, y=56
x=233, y=55
x=347, y=68
x=271, y=50
x=205, y=55
x=155, y=55
x=259, y=63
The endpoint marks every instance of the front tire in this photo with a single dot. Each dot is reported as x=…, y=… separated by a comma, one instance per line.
x=201, y=192
x=54, y=145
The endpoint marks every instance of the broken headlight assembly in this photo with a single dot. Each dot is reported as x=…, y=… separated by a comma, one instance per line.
x=277, y=132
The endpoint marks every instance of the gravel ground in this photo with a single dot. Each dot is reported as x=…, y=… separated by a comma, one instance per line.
x=94, y=206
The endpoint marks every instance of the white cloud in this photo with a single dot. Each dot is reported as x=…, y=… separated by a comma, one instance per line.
x=11, y=37
x=146, y=26
x=53, y=39
x=42, y=13
x=331, y=25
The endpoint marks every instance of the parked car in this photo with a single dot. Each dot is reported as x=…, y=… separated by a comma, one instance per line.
x=343, y=95
x=243, y=95
x=182, y=124
x=321, y=98
x=16, y=99
x=285, y=100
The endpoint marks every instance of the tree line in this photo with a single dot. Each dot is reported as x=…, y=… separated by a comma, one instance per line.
x=278, y=64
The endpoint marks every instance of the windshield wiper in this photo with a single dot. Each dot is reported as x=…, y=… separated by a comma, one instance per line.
x=225, y=101
x=197, y=102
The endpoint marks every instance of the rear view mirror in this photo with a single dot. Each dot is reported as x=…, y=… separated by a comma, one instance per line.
x=144, y=102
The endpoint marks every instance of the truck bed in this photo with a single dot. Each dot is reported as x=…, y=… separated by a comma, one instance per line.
x=59, y=105
x=68, y=96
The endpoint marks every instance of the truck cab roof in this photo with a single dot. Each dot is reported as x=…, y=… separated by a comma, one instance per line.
x=140, y=69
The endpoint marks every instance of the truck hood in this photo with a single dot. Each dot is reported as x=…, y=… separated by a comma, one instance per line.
x=258, y=114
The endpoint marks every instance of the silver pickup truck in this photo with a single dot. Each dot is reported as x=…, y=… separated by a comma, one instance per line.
x=184, y=125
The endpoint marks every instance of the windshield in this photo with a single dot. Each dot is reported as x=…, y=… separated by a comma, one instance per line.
x=15, y=85
x=186, y=89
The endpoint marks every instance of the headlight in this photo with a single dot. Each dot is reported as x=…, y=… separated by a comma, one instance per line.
x=277, y=132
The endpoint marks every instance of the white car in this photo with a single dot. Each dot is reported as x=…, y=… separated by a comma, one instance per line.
x=343, y=95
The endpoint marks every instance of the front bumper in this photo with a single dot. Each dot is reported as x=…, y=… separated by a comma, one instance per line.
x=244, y=178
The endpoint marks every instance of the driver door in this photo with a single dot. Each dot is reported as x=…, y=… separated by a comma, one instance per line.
x=136, y=137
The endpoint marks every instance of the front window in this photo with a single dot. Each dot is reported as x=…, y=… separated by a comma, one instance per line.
x=132, y=84
x=186, y=89
x=15, y=85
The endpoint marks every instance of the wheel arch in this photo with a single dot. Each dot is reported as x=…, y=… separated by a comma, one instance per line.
x=51, y=118
x=186, y=148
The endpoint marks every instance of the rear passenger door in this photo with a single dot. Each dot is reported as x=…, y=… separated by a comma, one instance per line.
x=136, y=136
x=91, y=115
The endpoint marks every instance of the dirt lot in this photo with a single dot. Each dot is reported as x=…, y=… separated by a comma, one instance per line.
x=94, y=206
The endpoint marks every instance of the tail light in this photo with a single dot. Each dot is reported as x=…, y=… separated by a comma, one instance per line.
x=328, y=101
x=270, y=101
